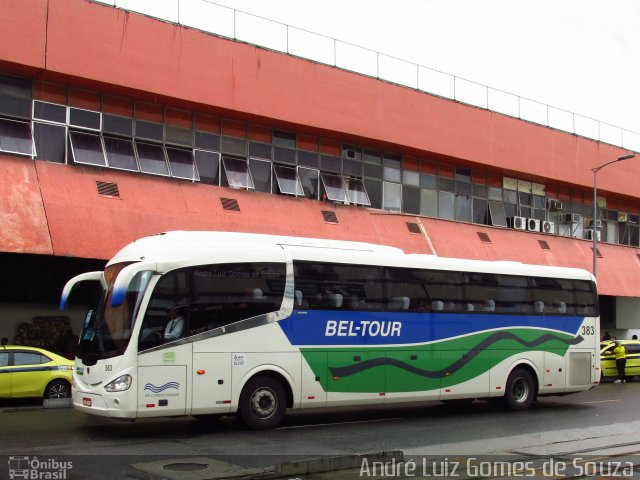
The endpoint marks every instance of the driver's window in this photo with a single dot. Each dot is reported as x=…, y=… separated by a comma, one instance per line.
x=167, y=315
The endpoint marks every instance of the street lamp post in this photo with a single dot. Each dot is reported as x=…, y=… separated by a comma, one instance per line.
x=595, y=204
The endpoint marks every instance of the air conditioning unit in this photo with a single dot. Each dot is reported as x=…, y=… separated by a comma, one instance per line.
x=547, y=227
x=588, y=234
x=589, y=223
x=519, y=223
x=352, y=154
x=623, y=217
x=555, y=205
x=571, y=218
x=533, y=224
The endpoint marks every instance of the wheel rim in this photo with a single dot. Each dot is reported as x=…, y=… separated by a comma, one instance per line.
x=264, y=402
x=520, y=390
x=58, y=391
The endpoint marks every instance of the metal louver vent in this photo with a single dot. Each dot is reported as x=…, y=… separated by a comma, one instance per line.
x=484, y=237
x=329, y=216
x=544, y=245
x=413, y=227
x=230, y=204
x=108, y=189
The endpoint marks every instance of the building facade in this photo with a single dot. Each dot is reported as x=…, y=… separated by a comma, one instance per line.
x=115, y=125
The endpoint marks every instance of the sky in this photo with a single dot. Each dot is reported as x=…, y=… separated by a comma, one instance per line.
x=578, y=55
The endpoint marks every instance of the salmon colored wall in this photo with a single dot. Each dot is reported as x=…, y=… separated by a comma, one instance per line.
x=83, y=223
x=23, y=222
x=23, y=33
x=102, y=44
x=56, y=209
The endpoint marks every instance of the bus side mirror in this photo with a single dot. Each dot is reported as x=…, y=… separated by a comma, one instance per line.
x=122, y=282
x=83, y=277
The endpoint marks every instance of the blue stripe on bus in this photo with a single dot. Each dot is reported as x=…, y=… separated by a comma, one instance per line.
x=332, y=327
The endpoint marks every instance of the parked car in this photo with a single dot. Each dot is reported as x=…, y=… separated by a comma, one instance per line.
x=34, y=372
x=608, y=360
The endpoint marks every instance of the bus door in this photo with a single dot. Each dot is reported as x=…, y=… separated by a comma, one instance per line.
x=162, y=381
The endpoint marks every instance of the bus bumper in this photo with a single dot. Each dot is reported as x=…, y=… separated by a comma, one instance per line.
x=94, y=404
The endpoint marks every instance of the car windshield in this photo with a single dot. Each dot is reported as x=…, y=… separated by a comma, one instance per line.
x=107, y=329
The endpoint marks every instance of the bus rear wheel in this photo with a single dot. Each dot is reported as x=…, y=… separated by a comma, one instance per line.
x=520, y=390
x=262, y=403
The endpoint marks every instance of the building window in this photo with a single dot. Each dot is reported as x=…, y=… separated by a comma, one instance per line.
x=208, y=165
x=16, y=137
x=356, y=193
x=288, y=180
x=86, y=148
x=261, y=174
x=333, y=187
x=120, y=153
x=152, y=158
x=237, y=174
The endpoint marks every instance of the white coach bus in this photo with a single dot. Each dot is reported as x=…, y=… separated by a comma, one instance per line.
x=215, y=323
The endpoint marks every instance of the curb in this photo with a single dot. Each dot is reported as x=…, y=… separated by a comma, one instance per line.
x=57, y=403
x=322, y=465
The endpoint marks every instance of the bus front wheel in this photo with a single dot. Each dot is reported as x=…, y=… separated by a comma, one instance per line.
x=262, y=403
x=520, y=390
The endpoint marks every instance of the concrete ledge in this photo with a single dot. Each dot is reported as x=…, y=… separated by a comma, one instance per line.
x=331, y=464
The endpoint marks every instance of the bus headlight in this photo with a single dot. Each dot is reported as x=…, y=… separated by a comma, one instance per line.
x=120, y=384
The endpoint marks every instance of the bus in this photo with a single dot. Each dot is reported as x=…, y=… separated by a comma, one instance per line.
x=270, y=323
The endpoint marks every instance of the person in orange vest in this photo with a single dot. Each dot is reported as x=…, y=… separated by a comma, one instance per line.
x=621, y=361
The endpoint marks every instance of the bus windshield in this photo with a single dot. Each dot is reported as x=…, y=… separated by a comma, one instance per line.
x=107, y=329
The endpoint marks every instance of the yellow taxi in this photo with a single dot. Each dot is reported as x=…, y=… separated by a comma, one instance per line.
x=34, y=372
x=608, y=360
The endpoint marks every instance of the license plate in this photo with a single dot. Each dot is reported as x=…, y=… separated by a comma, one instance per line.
x=86, y=402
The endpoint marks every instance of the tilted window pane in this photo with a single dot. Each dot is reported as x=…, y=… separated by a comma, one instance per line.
x=51, y=142
x=356, y=191
x=374, y=189
x=480, y=211
x=261, y=174
x=87, y=148
x=208, y=164
x=288, y=180
x=15, y=137
x=309, y=178
x=237, y=172
x=498, y=215
x=151, y=158
x=50, y=112
x=120, y=153
x=333, y=187
x=181, y=163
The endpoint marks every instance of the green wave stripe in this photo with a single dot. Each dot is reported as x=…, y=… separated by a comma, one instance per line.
x=426, y=366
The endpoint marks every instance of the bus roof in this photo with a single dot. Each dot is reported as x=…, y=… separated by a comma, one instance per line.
x=190, y=246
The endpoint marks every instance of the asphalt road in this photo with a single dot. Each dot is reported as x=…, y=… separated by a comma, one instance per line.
x=108, y=448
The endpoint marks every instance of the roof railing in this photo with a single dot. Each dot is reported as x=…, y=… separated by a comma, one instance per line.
x=228, y=22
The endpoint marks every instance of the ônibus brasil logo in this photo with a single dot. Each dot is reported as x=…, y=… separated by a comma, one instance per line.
x=36, y=469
